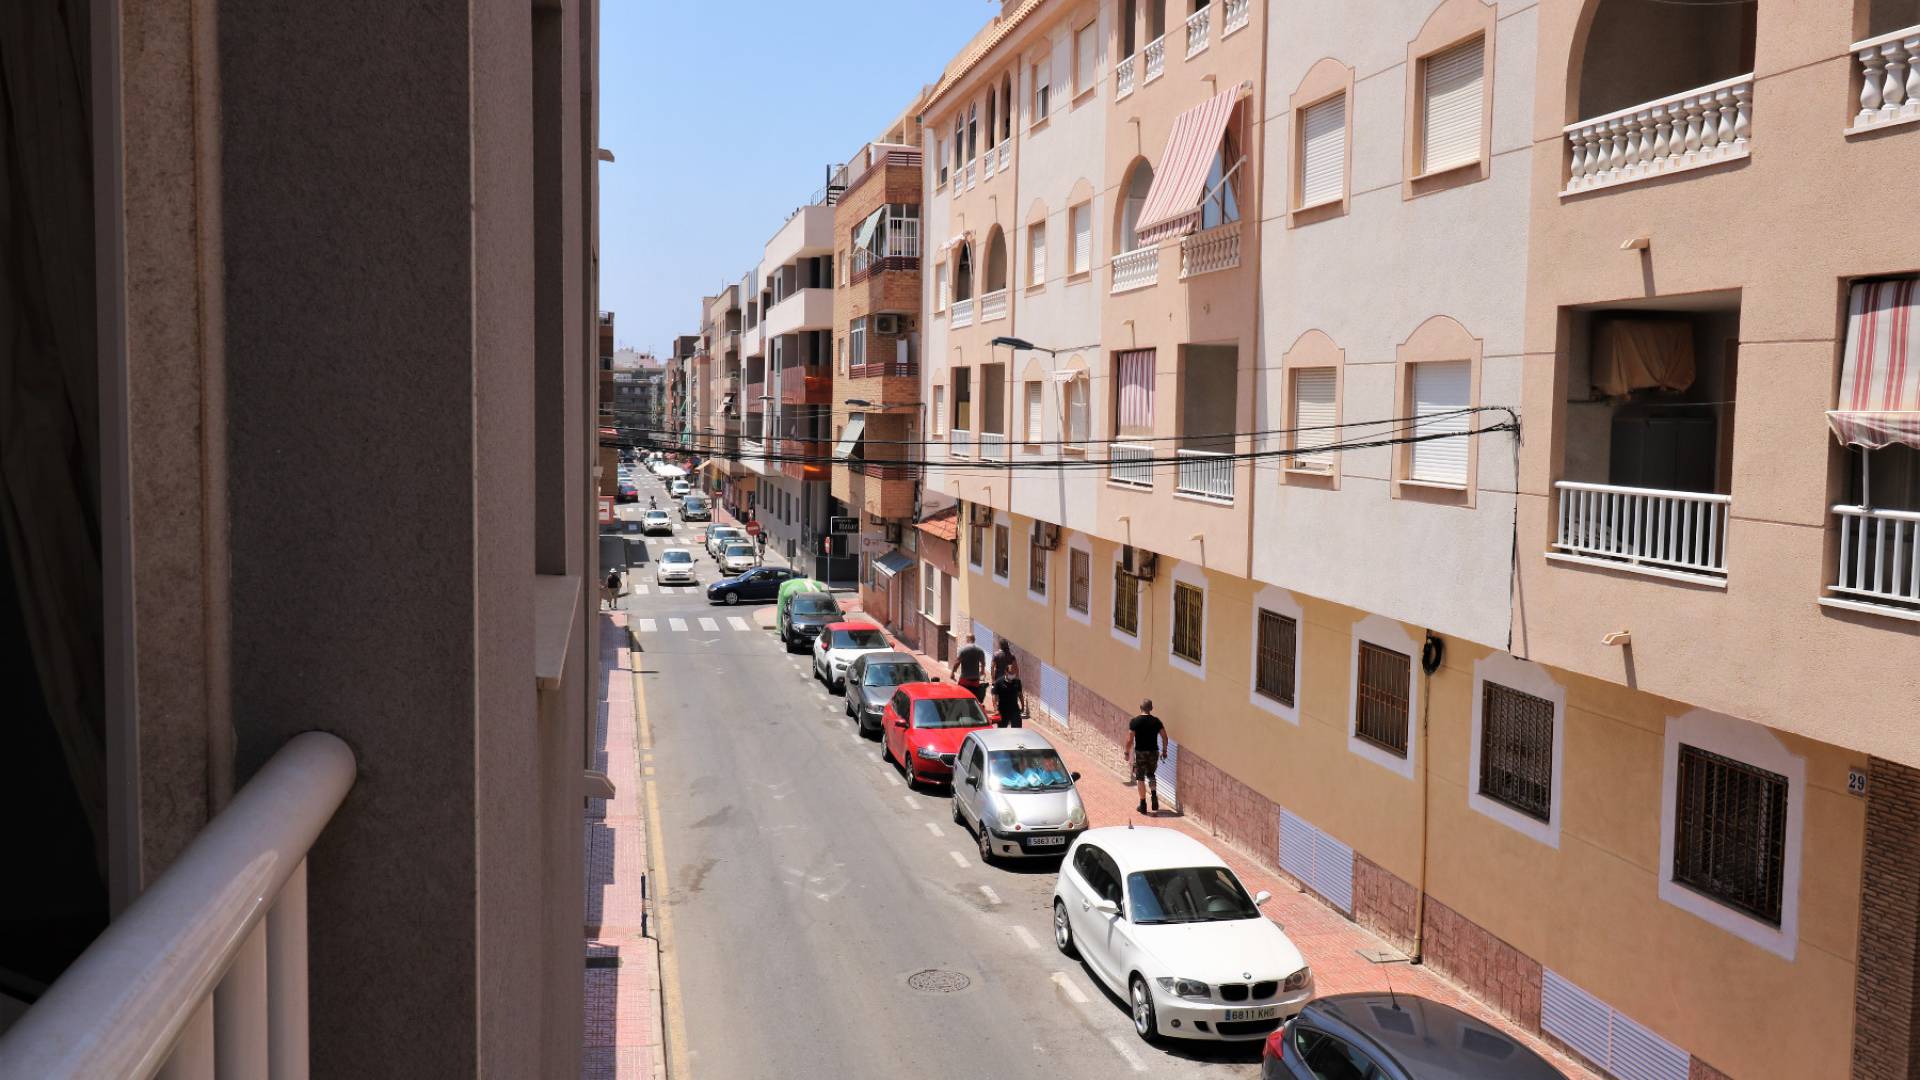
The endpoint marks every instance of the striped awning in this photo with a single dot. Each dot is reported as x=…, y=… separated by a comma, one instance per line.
x=1879, y=401
x=1173, y=202
x=958, y=239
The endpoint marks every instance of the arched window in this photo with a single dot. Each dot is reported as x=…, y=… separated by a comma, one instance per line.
x=963, y=272
x=997, y=261
x=993, y=128
x=1006, y=106
x=1127, y=238
x=1705, y=43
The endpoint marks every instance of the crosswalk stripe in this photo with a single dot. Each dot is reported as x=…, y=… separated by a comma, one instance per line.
x=709, y=625
x=647, y=626
x=677, y=625
x=738, y=623
x=639, y=590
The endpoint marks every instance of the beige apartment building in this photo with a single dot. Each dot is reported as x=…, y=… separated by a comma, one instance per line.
x=299, y=534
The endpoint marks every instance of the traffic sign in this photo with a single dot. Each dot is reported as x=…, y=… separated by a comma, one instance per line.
x=753, y=528
x=606, y=509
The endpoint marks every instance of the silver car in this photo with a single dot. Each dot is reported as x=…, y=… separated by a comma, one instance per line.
x=1012, y=791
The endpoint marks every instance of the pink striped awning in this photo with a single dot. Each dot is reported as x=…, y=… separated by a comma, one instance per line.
x=1880, y=371
x=1173, y=202
x=1133, y=373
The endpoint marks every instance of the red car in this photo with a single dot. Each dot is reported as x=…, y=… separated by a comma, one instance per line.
x=922, y=728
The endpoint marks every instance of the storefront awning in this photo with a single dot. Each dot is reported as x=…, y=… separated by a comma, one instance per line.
x=850, y=437
x=1880, y=371
x=1173, y=202
x=892, y=562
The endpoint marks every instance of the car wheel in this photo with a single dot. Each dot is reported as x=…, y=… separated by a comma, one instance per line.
x=732, y=598
x=984, y=840
x=886, y=749
x=1063, y=930
x=1144, y=1024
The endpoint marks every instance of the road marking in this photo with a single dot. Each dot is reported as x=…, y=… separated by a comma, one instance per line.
x=639, y=590
x=958, y=859
x=894, y=779
x=709, y=625
x=932, y=828
x=987, y=891
x=912, y=803
x=1025, y=938
x=738, y=623
x=677, y=625
x=1126, y=1051
x=1066, y=986
x=647, y=626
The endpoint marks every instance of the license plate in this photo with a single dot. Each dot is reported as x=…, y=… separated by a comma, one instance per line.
x=1266, y=1012
x=1045, y=841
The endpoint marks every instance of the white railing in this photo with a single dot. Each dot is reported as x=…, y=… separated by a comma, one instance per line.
x=1123, y=78
x=961, y=314
x=960, y=442
x=993, y=305
x=1130, y=463
x=1006, y=153
x=993, y=445
x=1217, y=248
x=1206, y=474
x=1677, y=530
x=1156, y=54
x=1879, y=554
x=1136, y=269
x=206, y=972
x=753, y=448
x=1237, y=12
x=1197, y=30
x=1889, y=78
x=986, y=164
x=966, y=178
x=1704, y=126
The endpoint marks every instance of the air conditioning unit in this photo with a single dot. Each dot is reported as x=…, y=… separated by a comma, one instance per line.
x=1137, y=563
x=1046, y=536
x=982, y=514
x=886, y=324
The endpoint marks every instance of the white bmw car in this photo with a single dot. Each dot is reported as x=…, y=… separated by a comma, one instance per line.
x=1166, y=925
x=838, y=645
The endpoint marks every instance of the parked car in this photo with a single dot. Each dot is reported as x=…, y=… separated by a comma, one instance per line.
x=626, y=492
x=656, y=521
x=1163, y=922
x=762, y=583
x=737, y=557
x=674, y=568
x=838, y=644
x=696, y=508
x=1012, y=791
x=719, y=536
x=681, y=489
x=870, y=681
x=802, y=616
x=1395, y=1037
x=923, y=726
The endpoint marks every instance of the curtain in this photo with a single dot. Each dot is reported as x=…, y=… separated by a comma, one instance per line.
x=1642, y=354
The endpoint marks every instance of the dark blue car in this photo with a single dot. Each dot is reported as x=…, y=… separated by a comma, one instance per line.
x=760, y=583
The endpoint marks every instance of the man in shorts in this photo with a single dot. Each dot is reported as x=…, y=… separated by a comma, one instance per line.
x=1146, y=748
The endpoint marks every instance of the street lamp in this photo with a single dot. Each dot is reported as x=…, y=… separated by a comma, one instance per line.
x=1022, y=343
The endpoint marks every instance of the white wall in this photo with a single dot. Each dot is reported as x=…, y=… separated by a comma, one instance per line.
x=936, y=227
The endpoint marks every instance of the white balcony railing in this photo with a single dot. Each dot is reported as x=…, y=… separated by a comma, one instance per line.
x=1130, y=463
x=1123, y=78
x=1889, y=79
x=966, y=178
x=960, y=442
x=1217, y=248
x=1673, y=530
x=206, y=972
x=993, y=445
x=1156, y=54
x=1688, y=130
x=986, y=164
x=961, y=314
x=1237, y=13
x=1197, y=30
x=993, y=305
x=1006, y=154
x=1206, y=474
x=1136, y=269
x=1879, y=554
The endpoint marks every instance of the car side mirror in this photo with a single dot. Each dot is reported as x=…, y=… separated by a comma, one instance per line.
x=1261, y=897
x=1106, y=907
x=1073, y=776
x=973, y=781
x=900, y=723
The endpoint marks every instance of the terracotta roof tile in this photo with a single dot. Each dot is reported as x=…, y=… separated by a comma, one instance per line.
x=945, y=525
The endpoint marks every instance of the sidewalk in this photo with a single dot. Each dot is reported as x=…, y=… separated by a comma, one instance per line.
x=623, y=1038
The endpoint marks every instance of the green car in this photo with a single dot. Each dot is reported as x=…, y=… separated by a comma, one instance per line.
x=797, y=626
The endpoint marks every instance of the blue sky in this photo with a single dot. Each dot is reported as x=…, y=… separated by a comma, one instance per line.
x=723, y=118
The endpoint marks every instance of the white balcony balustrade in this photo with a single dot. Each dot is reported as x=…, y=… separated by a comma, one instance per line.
x=1156, y=57
x=960, y=442
x=1130, y=463
x=961, y=314
x=1669, y=532
x=1706, y=126
x=1879, y=556
x=1136, y=269
x=1238, y=12
x=1205, y=474
x=1006, y=155
x=205, y=973
x=1889, y=79
x=1217, y=248
x=993, y=305
x=1197, y=25
x=1123, y=78
x=993, y=445
x=986, y=164
x=966, y=178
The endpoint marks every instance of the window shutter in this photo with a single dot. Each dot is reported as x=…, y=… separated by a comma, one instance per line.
x=1323, y=151
x=1314, y=407
x=1441, y=388
x=1086, y=41
x=1034, y=416
x=1077, y=410
x=1041, y=74
x=939, y=409
x=1453, y=106
x=1037, y=255
x=1082, y=238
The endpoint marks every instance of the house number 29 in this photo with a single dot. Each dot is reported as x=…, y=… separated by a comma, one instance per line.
x=1856, y=782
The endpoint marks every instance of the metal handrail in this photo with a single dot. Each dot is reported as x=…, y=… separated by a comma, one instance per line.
x=146, y=985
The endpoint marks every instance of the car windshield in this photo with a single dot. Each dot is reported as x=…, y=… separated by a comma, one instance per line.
x=740, y=549
x=894, y=674
x=696, y=503
x=723, y=533
x=859, y=639
x=948, y=713
x=1190, y=894
x=677, y=556
x=1028, y=770
x=815, y=605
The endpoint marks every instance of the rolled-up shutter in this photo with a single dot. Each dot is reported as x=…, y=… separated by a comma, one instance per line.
x=1082, y=238
x=1453, y=106
x=1313, y=416
x=1035, y=418
x=1323, y=151
x=1440, y=391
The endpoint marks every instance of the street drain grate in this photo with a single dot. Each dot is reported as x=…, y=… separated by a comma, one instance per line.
x=934, y=981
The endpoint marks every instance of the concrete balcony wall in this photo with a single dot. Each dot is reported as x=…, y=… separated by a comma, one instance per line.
x=805, y=309
x=809, y=232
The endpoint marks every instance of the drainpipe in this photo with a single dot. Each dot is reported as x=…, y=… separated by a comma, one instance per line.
x=1432, y=655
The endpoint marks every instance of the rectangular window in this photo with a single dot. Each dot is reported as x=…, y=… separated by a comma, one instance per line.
x=1082, y=217
x=1036, y=420
x=1002, y=550
x=963, y=398
x=1441, y=391
x=939, y=410
x=1189, y=621
x=940, y=155
x=1730, y=832
x=857, y=338
x=973, y=131
x=1313, y=418
x=1126, y=603
x=902, y=238
x=943, y=285
x=1516, y=749
x=1452, y=105
x=930, y=591
x=1133, y=398
x=1080, y=581
x=1036, y=564
x=1077, y=410
x=1380, y=712
x=1086, y=51
x=1040, y=90
x=1037, y=253
x=1323, y=152
x=1278, y=648
x=977, y=545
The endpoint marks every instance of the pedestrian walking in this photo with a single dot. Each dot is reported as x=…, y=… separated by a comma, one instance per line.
x=1010, y=700
x=970, y=666
x=1004, y=662
x=1147, y=748
x=610, y=591
x=760, y=538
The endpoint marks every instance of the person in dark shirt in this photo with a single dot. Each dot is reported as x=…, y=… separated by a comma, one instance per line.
x=1009, y=699
x=969, y=666
x=1147, y=748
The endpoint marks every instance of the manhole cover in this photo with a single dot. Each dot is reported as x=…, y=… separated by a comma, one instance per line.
x=935, y=981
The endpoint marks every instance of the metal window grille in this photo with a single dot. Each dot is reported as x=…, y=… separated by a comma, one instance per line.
x=1381, y=712
x=1189, y=607
x=1001, y=543
x=1126, y=602
x=1516, y=750
x=1080, y=580
x=1036, y=567
x=1730, y=832
x=1274, y=673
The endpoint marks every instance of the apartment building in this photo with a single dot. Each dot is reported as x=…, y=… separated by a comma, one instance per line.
x=722, y=472
x=299, y=538
x=680, y=390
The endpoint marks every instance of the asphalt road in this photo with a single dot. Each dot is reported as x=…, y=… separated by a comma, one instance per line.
x=807, y=886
